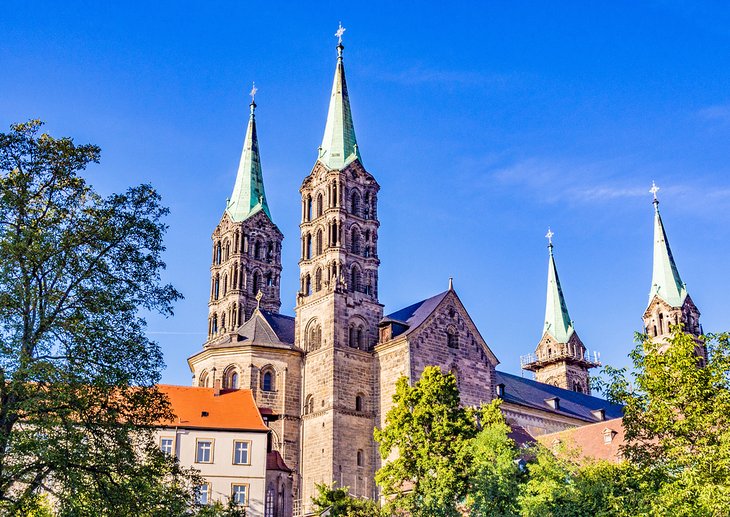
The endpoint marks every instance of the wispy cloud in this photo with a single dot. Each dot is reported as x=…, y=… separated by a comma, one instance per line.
x=419, y=75
x=716, y=113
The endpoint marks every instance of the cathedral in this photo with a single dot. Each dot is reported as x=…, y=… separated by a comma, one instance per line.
x=324, y=378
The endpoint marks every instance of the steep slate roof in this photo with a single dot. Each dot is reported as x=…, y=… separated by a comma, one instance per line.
x=665, y=280
x=529, y=393
x=557, y=319
x=339, y=146
x=408, y=319
x=231, y=409
x=248, y=195
x=262, y=328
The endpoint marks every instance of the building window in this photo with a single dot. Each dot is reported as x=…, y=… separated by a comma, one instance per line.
x=308, y=209
x=452, y=339
x=360, y=458
x=202, y=495
x=241, y=451
x=309, y=405
x=204, y=451
x=358, y=403
x=320, y=205
x=234, y=381
x=318, y=241
x=239, y=494
x=167, y=445
x=355, y=203
x=267, y=382
x=203, y=380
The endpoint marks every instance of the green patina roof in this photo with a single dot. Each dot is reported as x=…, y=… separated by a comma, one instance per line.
x=557, y=319
x=339, y=146
x=248, y=195
x=665, y=280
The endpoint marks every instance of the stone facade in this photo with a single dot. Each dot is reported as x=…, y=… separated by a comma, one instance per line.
x=246, y=259
x=564, y=365
x=337, y=314
x=660, y=316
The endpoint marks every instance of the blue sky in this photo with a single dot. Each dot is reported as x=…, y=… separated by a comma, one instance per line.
x=484, y=123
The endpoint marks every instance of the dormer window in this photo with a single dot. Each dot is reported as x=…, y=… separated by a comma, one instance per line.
x=553, y=402
x=500, y=390
x=608, y=435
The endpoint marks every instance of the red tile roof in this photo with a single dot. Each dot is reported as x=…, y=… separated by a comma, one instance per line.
x=589, y=440
x=201, y=408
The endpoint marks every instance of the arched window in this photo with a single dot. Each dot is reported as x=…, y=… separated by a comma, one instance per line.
x=662, y=328
x=225, y=284
x=269, y=279
x=216, y=287
x=320, y=205
x=308, y=209
x=257, y=250
x=314, y=337
x=256, y=284
x=359, y=403
x=234, y=277
x=333, y=199
x=270, y=252
x=267, y=381
x=308, y=246
x=203, y=380
x=217, y=253
x=215, y=323
x=358, y=338
x=355, y=203
x=366, y=209
x=307, y=285
x=354, y=279
x=309, y=405
x=318, y=280
x=230, y=378
x=355, y=241
x=318, y=247
x=235, y=242
x=228, y=250
x=360, y=458
x=452, y=338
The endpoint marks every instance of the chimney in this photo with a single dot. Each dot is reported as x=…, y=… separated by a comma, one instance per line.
x=217, y=387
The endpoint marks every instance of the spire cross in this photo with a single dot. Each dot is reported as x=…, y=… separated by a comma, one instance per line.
x=253, y=92
x=549, y=236
x=259, y=295
x=654, y=189
x=340, y=31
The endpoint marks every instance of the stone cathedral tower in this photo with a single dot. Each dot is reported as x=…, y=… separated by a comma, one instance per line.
x=669, y=302
x=246, y=248
x=337, y=309
x=560, y=358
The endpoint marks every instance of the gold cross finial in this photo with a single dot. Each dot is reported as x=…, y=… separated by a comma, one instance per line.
x=253, y=92
x=259, y=295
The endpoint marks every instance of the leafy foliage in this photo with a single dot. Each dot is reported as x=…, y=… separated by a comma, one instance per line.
x=340, y=503
x=77, y=373
x=677, y=421
x=429, y=431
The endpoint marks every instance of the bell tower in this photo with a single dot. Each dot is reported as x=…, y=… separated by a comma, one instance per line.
x=246, y=247
x=669, y=302
x=560, y=358
x=337, y=309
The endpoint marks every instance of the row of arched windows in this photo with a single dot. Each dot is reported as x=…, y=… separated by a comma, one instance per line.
x=260, y=250
x=235, y=279
x=233, y=315
x=323, y=277
x=359, y=205
x=231, y=378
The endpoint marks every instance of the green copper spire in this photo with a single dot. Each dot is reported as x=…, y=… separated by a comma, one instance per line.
x=339, y=146
x=665, y=280
x=248, y=195
x=557, y=319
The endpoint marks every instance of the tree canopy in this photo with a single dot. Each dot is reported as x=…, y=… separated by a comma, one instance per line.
x=77, y=372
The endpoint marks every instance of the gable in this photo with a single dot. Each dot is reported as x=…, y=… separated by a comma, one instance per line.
x=441, y=314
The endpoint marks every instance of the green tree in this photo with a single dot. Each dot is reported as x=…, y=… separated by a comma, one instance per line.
x=677, y=422
x=427, y=431
x=77, y=373
x=495, y=472
x=340, y=503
